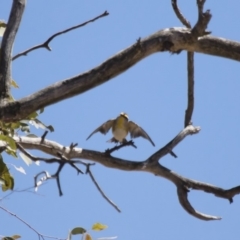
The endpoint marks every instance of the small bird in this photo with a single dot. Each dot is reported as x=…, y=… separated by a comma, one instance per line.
x=120, y=129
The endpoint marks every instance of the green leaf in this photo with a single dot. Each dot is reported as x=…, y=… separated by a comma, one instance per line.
x=24, y=126
x=3, y=26
x=14, y=84
x=25, y=129
x=32, y=116
x=32, y=135
x=107, y=238
x=78, y=230
x=50, y=127
x=41, y=110
x=16, y=236
x=24, y=122
x=75, y=231
x=10, y=141
x=6, y=179
x=11, y=152
x=38, y=124
x=15, y=125
x=11, y=98
x=25, y=158
x=9, y=181
x=87, y=237
x=99, y=227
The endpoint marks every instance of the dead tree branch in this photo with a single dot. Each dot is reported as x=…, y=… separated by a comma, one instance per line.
x=179, y=15
x=88, y=171
x=46, y=43
x=174, y=39
x=40, y=235
x=192, y=40
x=189, y=130
x=6, y=48
x=190, y=54
x=62, y=160
x=203, y=19
x=190, y=105
x=150, y=165
x=117, y=147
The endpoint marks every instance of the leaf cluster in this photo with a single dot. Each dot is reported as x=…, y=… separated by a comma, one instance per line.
x=11, y=129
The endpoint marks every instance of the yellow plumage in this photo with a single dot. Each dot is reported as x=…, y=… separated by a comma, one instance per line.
x=120, y=128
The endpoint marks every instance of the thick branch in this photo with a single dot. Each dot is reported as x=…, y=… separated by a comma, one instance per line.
x=6, y=47
x=46, y=43
x=150, y=165
x=173, y=39
x=182, y=196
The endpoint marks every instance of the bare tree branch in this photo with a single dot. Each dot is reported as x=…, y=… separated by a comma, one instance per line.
x=190, y=106
x=150, y=165
x=117, y=147
x=62, y=161
x=100, y=190
x=173, y=39
x=182, y=196
x=179, y=15
x=46, y=43
x=190, y=61
x=42, y=236
x=189, y=130
x=6, y=48
x=44, y=135
x=203, y=20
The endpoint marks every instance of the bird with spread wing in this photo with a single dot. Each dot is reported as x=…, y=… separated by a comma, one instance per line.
x=120, y=129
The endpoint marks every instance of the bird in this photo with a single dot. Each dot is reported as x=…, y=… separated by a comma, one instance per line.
x=121, y=126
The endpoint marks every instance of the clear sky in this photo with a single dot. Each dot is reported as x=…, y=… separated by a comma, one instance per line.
x=153, y=93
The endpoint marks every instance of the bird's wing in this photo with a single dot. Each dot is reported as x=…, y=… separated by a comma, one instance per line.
x=104, y=128
x=137, y=131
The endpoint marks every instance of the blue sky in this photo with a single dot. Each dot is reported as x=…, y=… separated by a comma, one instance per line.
x=153, y=93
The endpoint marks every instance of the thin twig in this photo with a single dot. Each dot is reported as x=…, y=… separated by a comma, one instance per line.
x=19, y=191
x=169, y=146
x=100, y=190
x=180, y=16
x=73, y=145
x=117, y=147
x=62, y=160
x=46, y=43
x=56, y=175
x=46, y=160
x=27, y=224
x=75, y=167
x=190, y=106
x=43, y=136
x=172, y=153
